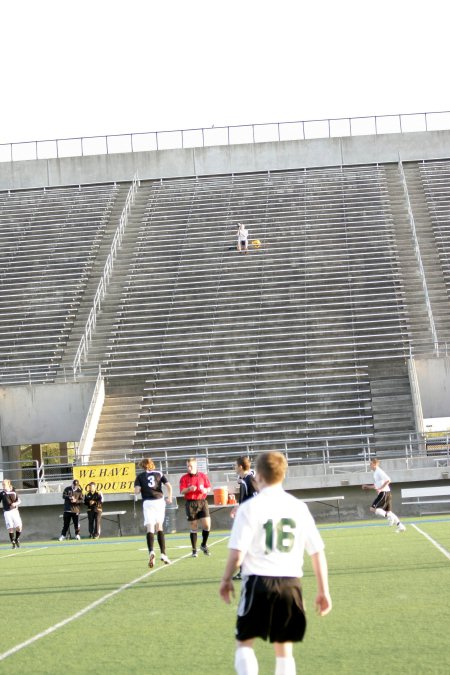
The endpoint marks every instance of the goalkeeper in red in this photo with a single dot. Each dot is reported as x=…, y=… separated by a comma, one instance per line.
x=269, y=536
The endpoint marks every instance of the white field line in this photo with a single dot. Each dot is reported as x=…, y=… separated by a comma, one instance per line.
x=28, y=550
x=90, y=607
x=435, y=543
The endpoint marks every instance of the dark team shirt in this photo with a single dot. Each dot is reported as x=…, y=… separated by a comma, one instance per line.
x=248, y=487
x=151, y=483
x=9, y=500
x=69, y=505
x=93, y=501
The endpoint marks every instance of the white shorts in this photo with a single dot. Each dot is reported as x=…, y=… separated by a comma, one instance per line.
x=13, y=520
x=154, y=511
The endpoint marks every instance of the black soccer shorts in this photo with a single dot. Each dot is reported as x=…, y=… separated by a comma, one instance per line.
x=271, y=608
x=196, y=508
x=383, y=501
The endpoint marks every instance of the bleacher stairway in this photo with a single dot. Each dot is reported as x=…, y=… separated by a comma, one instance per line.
x=116, y=430
x=427, y=243
x=110, y=302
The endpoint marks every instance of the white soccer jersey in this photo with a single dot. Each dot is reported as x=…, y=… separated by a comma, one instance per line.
x=380, y=477
x=272, y=530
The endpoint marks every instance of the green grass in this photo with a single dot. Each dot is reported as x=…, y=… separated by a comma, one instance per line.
x=390, y=593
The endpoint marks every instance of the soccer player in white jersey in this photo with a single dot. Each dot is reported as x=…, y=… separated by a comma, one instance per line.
x=149, y=485
x=270, y=534
x=382, y=504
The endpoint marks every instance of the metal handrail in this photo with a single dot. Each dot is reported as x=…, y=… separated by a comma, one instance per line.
x=87, y=429
x=412, y=223
x=104, y=281
x=228, y=135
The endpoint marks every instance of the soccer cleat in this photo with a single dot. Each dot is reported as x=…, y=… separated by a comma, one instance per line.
x=165, y=559
x=205, y=549
x=400, y=528
x=13, y=544
x=237, y=577
x=17, y=543
x=151, y=560
x=194, y=554
x=62, y=538
x=77, y=536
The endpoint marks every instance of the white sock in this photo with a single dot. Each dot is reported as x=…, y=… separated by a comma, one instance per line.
x=393, y=517
x=380, y=512
x=285, y=665
x=245, y=661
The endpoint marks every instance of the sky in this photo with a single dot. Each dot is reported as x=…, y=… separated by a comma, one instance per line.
x=96, y=67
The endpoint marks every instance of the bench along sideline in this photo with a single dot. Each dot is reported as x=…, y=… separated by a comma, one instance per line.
x=107, y=516
x=426, y=495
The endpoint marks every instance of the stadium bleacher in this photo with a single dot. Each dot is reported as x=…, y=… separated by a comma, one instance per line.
x=49, y=242
x=248, y=348
x=305, y=337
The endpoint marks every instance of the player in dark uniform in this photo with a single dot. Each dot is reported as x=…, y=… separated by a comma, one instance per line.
x=73, y=498
x=149, y=484
x=94, y=502
x=248, y=487
x=10, y=502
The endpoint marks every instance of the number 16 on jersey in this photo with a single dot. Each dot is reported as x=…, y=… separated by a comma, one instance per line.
x=280, y=535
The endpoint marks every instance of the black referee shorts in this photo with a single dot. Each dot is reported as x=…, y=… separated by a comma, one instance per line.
x=196, y=508
x=271, y=608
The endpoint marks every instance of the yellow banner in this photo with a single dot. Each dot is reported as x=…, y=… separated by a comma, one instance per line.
x=109, y=478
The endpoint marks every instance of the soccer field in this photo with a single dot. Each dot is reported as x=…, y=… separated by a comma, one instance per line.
x=95, y=606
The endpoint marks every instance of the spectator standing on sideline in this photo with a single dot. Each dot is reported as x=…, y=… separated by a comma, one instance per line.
x=94, y=503
x=269, y=536
x=248, y=488
x=11, y=502
x=242, y=239
x=194, y=486
x=382, y=504
x=149, y=484
x=73, y=498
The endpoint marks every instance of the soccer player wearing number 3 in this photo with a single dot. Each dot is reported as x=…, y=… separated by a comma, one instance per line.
x=269, y=536
x=149, y=485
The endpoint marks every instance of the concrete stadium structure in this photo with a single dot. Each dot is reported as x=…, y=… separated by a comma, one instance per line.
x=328, y=342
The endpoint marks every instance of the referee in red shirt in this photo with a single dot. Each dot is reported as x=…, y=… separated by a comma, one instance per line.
x=194, y=486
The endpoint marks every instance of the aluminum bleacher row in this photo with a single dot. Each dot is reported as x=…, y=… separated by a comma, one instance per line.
x=49, y=242
x=270, y=344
